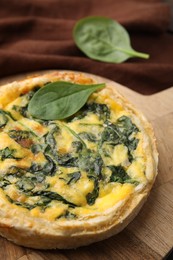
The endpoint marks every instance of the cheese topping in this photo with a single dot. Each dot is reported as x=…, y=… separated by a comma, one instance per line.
x=69, y=169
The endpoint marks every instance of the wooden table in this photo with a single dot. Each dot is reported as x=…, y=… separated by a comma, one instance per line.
x=150, y=235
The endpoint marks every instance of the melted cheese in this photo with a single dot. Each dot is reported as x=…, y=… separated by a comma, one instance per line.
x=20, y=152
x=120, y=155
x=50, y=213
x=137, y=170
x=119, y=193
x=64, y=140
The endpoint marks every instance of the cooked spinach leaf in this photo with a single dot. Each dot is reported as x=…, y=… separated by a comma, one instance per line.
x=88, y=136
x=92, y=196
x=25, y=184
x=67, y=160
x=4, y=183
x=76, y=136
x=23, y=181
x=11, y=178
x=91, y=124
x=17, y=135
x=54, y=196
x=31, y=185
x=78, y=146
x=36, y=148
x=35, y=168
x=4, y=115
x=48, y=169
x=50, y=166
x=87, y=160
x=49, y=137
x=9, y=115
x=14, y=170
x=24, y=205
x=49, y=148
x=31, y=93
x=22, y=110
x=101, y=110
x=104, y=39
x=68, y=215
x=43, y=202
x=91, y=162
x=73, y=177
x=120, y=133
x=126, y=126
x=3, y=119
x=8, y=153
x=118, y=174
x=22, y=137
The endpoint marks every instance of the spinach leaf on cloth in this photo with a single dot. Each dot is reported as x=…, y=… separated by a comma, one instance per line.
x=104, y=39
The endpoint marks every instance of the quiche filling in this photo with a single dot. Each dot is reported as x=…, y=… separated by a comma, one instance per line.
x=69, y=169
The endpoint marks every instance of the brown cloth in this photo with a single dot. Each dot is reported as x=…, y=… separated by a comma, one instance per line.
x=37, y=34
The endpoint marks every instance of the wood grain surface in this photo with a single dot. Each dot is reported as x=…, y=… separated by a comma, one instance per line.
x=150, y=234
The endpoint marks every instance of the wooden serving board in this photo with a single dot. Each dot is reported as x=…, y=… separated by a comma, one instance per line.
x=150, y=234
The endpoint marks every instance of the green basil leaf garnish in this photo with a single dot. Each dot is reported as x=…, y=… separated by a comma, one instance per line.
x=104, y=39
x=60, y=99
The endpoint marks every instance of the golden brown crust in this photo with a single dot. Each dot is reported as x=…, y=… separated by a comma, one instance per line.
x=40, y=233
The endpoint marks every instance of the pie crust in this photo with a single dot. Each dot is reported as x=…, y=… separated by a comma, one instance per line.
x=25, y=229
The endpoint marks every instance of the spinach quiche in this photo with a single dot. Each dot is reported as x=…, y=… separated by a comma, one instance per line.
x=71, y=182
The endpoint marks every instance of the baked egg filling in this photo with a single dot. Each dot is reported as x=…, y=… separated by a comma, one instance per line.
x=69, y=169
